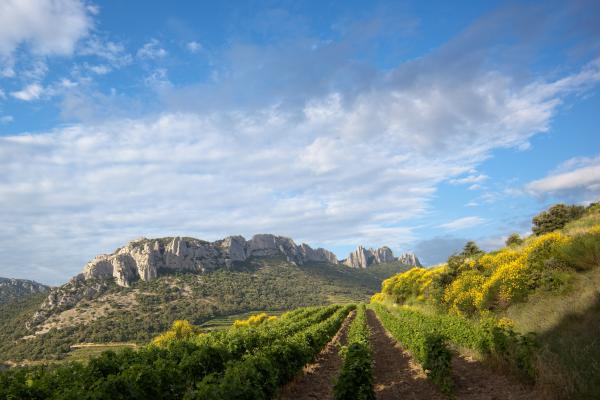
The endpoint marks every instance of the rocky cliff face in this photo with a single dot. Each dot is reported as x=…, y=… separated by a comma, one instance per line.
x=409, y=259
x=11, y=289
x=144, y=258
x=363, y=258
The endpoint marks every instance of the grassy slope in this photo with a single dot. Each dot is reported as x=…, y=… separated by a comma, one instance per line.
x=261, y=285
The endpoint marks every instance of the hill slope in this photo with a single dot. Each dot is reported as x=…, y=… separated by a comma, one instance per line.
x=112, y=313
x=13, y=289
x=547, y=284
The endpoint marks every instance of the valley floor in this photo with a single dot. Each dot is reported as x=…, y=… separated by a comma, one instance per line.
x=397, y=376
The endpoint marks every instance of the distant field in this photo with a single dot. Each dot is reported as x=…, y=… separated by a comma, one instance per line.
x=225, y=322
x=83, y=352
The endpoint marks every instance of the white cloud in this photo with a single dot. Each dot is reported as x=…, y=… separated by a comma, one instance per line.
x=45, y=26
x=114, y=53
x=462, y=223
x=6, y=119
x=101, y=69
x=576, y=178
x=193, y=47
x=343, y=168
x=152, y=50
x=30, y=92
x=470, y=179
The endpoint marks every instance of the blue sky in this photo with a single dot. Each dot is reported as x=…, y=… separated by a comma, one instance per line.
x=417, y=126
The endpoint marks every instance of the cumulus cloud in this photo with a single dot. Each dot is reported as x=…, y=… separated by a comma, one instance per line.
x=45, y=26
x=290, y=138
x=577, y=178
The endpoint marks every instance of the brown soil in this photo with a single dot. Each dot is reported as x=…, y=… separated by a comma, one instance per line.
x=474, y=380
x=398, y=376
x=317, y=379
x=395, y=374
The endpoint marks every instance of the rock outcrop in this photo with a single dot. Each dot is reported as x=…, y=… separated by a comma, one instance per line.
x=363, y=258
x=409, y=259
x=145, y=258
x=68, y=295
x=12, y=289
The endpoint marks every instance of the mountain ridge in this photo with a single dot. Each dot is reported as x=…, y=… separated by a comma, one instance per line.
x=12, y=288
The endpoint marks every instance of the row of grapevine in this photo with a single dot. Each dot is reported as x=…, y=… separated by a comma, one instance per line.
x=259, y=374
x=492, y=339
x=424, y=342
x=356, y=378
x=175, y=368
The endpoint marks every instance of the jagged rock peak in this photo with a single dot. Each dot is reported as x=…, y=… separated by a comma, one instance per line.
x=144, y=258
x=409, y=259
x=363, y=258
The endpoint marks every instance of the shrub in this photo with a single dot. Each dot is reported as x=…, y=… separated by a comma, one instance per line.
x=514, y=240
x=583, y=251
x=254, y=320
x=463, y=295
x=556, y=217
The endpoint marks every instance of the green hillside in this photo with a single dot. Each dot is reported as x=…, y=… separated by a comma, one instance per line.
x=540, y=295
x=138, y=313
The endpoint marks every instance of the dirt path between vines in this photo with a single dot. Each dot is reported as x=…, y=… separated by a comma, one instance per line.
x=317, y=379
x=397, y=376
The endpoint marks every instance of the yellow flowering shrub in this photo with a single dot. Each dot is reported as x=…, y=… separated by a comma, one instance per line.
x=254, y=320
x=180, y=330
x=463, y=294
x=544, y=247
x=413, y=283
x=378, y=298
x=489, y=262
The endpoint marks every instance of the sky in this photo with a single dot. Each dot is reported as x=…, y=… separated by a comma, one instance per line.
x=416, y=125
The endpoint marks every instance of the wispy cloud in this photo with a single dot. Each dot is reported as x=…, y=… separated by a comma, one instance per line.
x=193, y=46
x=30, y=92
x=152, y=50
x=576, y=178
x=470, y=179
x=462, y=223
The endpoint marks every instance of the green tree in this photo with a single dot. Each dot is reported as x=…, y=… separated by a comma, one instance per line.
x=556, y=217
x=514, y=240
x=471, y=250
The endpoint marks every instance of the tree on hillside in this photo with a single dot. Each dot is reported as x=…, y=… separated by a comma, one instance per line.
x=556, y=217
x=471, y=250
x=514, y=240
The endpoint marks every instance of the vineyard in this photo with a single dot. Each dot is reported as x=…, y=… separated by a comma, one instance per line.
x=253, y=359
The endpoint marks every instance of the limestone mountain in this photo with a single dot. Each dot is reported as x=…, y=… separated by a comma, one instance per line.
x=13, y=289
x=145, y=258
x=363, y=258
x=142, y=287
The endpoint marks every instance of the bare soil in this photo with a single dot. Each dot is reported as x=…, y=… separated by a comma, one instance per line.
x=395, y=374
x=398, y=376
x=317, y=379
